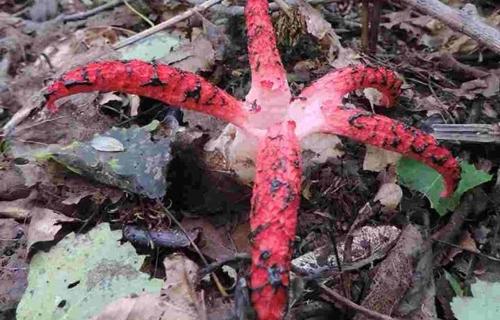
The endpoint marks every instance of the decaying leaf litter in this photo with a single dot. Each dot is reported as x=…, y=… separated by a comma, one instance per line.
x=339, y=197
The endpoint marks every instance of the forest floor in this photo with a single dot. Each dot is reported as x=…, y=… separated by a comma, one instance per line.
x=371, y=225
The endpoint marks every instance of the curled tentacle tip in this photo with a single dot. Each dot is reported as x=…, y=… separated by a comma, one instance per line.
x=448, y=192
x=449, y=188
x=452, y=179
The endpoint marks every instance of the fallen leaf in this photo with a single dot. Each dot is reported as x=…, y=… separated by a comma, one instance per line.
x=76, y=198
x=109, y=97
x=389, y=195
x=14, y=269
x=19, y=209
x=487, y=87
x=154, y=47
x=317, y=148
x=374, y=96
x=44, y=225
x=462, y=44
x=82, y=274
x=417, y=176
x=135, y=102
x=455, y=285
x=214, y=242
x=197, y=55
x=377, y=159
x=315, y=22
x=107, y=144
x=467, y=242
x=13, y=183
x=369, y=244
x=483, y=305
x=140, y=167
x=178, y=299
x=394, y=274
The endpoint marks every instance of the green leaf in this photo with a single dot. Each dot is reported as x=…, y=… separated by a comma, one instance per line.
x=417, y=176
x=455, y=285
x=81, y=275
x=151, y=48
x=136, y=163
x=484, y=305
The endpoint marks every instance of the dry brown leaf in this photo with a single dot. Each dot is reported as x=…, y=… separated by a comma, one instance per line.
x=487, y=87
x=389, y=195
x=240, y=237
x=135, y=101
x=44, y=225
x=13, y=274
x=76, y=198
x=463, y=44
x=197, y=55
x=377, y=159
x=394, y=274
x=316, y=24
x=318, y=147
x=177, y=300
x=468, y=243
x=108, y=97
x=19, y=209
x=368, y=244
x=403, y=20
x=214, y=242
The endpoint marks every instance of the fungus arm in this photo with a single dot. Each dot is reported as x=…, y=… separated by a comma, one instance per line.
x=172, y=86
x=336, y=84
x=273, y=220
x=395, y=136
x=269, y=88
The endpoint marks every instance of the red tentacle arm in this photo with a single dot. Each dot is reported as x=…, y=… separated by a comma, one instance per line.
x=337, y=83
x=158, y=81
x=269, y=90
x=395, y=136
x=273, y=219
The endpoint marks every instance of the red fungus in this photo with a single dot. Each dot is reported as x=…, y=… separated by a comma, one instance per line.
x=278, y=121
x=275, y=201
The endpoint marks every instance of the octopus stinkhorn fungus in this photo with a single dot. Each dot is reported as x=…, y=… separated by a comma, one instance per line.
x=278, y=122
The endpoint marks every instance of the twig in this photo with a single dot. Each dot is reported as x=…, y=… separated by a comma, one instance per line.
x=170, y=22
x=365, y=28
x=21, y=115
x=193, y=244
x=374, y=26
x=243, y=256
x=478, y=133
x=134, y=10
x=273, y=6
x=365, y=311
x=479, y=253
x=89, y=13
x=465, y=21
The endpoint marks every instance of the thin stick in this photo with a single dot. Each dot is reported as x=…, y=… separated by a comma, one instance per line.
x=89, y=13
x=193, y=244
x=463, y=21
x=367, y=312
x=479, y=253
x=170, y=22
x=374, y=26
x=365, y=28
x=134, y=10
